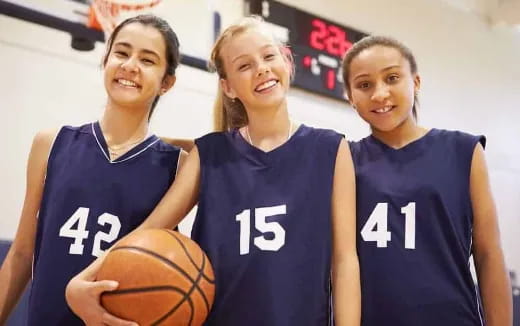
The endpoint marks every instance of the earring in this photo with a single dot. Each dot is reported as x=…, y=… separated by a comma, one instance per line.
x=233, y=100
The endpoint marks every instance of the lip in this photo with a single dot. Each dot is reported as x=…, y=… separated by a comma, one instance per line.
x=119, y=81
x=268, y=89
x=392, y=108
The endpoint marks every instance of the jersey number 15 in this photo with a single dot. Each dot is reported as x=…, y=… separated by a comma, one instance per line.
x=261, y=224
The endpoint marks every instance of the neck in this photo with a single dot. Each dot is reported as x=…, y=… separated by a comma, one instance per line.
x=123, y=124
x=402, y=135
x=268, y=128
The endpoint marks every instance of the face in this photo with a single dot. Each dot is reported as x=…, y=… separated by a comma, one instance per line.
x=382, y=87
x=257, y=72
x=136, y=66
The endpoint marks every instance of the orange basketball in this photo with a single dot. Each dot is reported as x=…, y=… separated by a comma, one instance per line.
x=164, y=279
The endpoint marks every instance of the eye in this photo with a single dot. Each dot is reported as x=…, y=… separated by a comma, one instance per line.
x=269, y=56
x=147, y=61
x=363, y=85
x=393, y=78
x=120, y=53
x=244, y=67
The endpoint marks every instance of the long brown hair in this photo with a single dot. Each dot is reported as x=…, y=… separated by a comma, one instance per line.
x=230, y=113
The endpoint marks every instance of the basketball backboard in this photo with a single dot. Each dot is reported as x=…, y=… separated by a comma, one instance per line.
x=194, y=21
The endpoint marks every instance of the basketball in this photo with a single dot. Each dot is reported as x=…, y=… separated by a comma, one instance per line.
x=164, y=279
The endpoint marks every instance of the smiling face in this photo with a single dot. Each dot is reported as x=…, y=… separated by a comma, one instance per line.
x=256, y=71
x=382, y=87
x=136, y=66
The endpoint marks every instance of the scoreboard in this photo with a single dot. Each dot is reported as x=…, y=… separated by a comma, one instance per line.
x=317, y=44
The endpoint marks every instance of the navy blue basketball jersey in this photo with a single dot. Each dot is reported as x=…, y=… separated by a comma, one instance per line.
x=264, y=219
x=414, y=223
x=88, y=203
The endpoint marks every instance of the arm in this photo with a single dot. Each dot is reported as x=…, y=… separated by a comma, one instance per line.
x=489, y=259
x=83, y=292
x=346, y=287
x=185, y=144
x=16, y=269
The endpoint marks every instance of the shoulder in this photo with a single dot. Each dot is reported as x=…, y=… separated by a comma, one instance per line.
x=162, y=146
x=213, y=140
x=458, y=138
x=309, y=131
x=319, y=136
x=356, y=146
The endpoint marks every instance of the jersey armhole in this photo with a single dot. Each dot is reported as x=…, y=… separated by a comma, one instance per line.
x=51, y=150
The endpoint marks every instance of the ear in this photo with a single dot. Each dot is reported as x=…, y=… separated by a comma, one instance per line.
x=416, y=83
x=227, y=89
x=167, y=84
x=348, y=96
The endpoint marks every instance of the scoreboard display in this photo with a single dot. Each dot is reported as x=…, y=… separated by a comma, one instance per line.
x=317, y=44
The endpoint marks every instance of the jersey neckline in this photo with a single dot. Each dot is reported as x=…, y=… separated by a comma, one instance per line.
x=133, y=152
x=242, y=142
x=412, y=146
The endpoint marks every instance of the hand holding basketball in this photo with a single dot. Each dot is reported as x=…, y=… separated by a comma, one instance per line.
x=164, y=279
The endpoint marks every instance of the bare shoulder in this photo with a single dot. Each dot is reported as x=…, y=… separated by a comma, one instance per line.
x=42, y=143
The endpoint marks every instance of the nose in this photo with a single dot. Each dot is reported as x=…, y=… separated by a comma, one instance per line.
x=381, y=92
x=130, y=64
x=263, y=68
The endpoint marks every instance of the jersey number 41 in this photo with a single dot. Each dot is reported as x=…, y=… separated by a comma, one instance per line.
x=376, y=227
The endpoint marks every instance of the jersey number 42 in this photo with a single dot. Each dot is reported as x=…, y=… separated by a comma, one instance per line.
x=80, y=233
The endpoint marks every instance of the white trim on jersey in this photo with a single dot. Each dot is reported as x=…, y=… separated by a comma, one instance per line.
x=126, y=159
x=179, y=161
x=99, y=144
x=477, y=294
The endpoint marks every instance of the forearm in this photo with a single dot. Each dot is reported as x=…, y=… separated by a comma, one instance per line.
x=495, y=289
x=14, y=276
x=346, y=291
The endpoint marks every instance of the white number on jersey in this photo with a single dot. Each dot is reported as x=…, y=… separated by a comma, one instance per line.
x=376, y=227
x=80, y=233
x=261, y=224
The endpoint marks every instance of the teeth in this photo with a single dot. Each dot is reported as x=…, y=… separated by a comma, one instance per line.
x=384, y=109
x=266, y=85
x=126, y=82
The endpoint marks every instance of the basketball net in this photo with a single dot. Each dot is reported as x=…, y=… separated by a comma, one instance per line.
x=105, y=15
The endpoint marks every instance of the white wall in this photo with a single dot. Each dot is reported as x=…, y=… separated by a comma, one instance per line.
x=470, y=74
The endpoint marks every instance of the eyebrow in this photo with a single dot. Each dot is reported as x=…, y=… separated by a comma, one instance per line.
x=244, y=55
x=146, y=51
x=384, y=69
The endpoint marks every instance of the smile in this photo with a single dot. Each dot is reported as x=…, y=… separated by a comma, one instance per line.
x=266, y=86
x=384, y=109
x=127, y=83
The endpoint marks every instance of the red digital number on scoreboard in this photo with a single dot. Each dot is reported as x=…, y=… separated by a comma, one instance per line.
x=329, y=38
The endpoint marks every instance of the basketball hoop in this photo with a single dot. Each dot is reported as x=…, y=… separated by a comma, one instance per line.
x=107, y=14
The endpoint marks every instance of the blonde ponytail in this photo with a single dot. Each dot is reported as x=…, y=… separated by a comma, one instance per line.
x=228, y=114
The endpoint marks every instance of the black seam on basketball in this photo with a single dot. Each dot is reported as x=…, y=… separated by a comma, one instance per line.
x=161, y=258
x=191, y=258
x=185, y=297
x=144, y=289
x=199, y=270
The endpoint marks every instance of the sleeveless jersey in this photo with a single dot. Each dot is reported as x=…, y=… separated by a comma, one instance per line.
x=414, y=223
x=88, y=203
x=264, y=219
